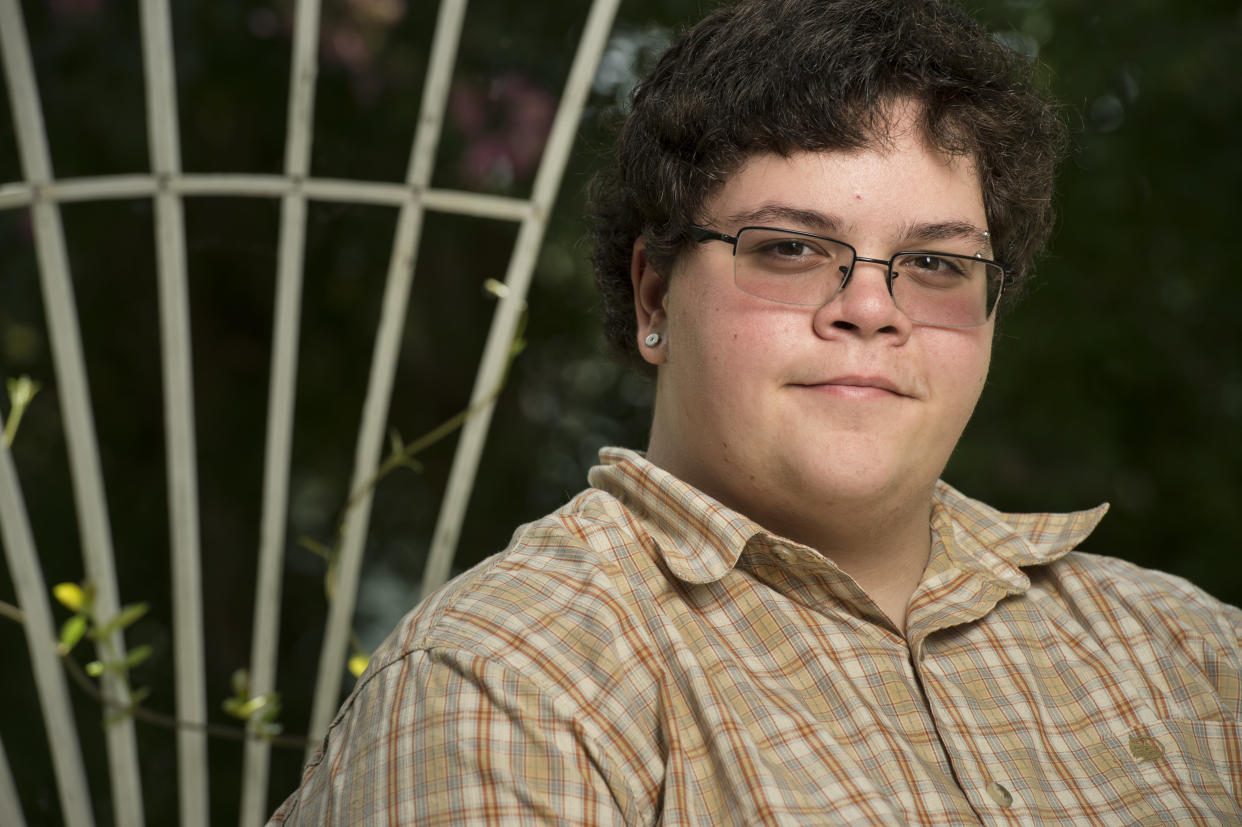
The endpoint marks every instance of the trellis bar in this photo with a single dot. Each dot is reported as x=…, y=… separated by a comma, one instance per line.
x=97, y=188
x=167, y=185
x=182, y=470
x=41, y=638
x=384, y=365
x=280, y=404
x=521, y=267
x=67, y=354
x=10, y=806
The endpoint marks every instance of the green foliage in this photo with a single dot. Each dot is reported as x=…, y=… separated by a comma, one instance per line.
x=124, y=619
x=259, y=711
x=85, y=623
x=21, y=392
x=71, y=632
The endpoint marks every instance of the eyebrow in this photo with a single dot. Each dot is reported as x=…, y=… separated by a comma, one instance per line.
x=825, y=223
x=784, y=214
x=947, y=231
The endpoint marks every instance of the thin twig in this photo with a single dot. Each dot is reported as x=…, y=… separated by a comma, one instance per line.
x=159, y=719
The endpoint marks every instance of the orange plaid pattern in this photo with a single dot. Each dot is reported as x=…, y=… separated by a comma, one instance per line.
x=645, y=655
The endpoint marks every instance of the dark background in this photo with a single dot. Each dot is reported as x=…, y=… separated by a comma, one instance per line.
x=1118, y=377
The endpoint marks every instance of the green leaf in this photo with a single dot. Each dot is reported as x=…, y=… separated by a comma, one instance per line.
x=137, y=656
x=139, y=695
x=257, y=703
x=94, y=668
x=244, y=708
x=358, y=664
x=272, y=711
x=131, y=614
x=71, y=633
x=125, y=618
x=21, y=391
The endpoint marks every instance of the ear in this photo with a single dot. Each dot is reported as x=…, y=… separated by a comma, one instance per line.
x=650, y=291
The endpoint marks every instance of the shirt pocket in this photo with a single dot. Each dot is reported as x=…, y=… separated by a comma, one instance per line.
x=1187, y=768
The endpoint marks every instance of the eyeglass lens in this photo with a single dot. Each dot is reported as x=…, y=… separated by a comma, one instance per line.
x=948, y=289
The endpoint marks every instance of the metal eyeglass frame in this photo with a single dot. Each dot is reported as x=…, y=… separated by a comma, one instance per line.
x=700, y=235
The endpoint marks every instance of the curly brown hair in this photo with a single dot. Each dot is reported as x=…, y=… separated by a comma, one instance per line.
x=781, y=76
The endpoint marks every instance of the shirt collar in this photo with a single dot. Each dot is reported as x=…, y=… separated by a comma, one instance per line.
x=701, y=540
x=997, y=544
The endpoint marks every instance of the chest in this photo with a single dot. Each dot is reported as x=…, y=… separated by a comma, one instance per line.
x=783, y=715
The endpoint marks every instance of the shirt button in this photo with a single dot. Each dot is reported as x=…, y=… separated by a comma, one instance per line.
x=999, y=794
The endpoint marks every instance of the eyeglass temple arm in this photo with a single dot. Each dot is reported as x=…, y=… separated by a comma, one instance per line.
x=701, y=234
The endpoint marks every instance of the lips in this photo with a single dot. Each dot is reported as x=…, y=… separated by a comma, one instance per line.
x=856, y=386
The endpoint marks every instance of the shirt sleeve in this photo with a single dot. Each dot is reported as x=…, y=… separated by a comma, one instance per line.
x=451, y=738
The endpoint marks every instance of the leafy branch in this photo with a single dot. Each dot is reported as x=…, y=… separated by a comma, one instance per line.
x=260, y=712
x=402, y=455
x=84, y=624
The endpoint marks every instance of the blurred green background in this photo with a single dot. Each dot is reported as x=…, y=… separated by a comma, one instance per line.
x=1118, y=377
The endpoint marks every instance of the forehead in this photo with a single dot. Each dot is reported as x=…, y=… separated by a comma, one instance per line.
x=902, y=182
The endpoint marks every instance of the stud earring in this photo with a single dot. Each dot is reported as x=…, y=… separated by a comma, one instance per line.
x=652, y=339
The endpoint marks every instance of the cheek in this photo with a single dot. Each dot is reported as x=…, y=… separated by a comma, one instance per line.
x=962, y=362
x=974, y=381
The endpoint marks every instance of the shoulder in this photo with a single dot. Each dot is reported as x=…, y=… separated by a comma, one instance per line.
x=521, y=666
x=1143, y=610
x=1146, y=592
x=563, y=591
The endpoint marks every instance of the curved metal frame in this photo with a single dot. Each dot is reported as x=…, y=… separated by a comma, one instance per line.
x=41, y=193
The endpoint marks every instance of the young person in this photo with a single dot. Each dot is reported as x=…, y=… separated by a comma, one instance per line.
x=779, y=614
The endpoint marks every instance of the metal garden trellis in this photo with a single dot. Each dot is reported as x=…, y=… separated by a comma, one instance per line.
x=167, y=186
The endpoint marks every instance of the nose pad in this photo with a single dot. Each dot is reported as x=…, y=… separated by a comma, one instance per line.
x=847, y=275
x=865, y=309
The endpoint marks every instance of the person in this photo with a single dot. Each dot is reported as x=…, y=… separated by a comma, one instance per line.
x=779, y=614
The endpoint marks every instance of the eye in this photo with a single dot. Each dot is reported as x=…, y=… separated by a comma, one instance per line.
x=932, y=263
x=787, y=248
x=778, y=251
x=933, y=269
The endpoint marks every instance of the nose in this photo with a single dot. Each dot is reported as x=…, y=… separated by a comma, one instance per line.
x=863, y=306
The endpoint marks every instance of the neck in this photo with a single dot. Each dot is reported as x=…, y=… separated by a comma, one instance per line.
x=886, y=556
x=882, y=540
x=884, y=549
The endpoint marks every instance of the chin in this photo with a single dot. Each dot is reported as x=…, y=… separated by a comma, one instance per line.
x=865, y=481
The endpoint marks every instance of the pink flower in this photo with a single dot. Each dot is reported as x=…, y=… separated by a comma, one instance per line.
x=505, y=125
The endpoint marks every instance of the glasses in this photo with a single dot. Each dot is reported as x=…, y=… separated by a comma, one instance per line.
x=791, y=267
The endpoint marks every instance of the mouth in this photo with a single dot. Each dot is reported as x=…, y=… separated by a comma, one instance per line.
x=856, y=387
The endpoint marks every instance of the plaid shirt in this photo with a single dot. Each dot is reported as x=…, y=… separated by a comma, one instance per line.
x=645, y=655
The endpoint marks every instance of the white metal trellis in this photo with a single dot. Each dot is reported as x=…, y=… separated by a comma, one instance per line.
x=42, y=194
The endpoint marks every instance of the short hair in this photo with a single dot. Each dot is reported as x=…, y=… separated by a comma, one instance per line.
x=781, y=76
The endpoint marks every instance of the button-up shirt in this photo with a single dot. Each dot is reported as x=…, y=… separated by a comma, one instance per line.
x=645, y=655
